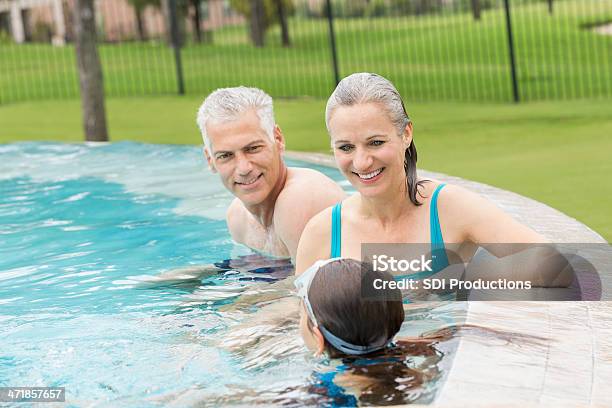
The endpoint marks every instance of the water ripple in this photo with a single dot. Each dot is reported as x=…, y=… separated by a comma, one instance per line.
x=18, y=272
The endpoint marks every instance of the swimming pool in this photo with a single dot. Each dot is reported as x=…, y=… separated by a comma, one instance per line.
x=82, y=227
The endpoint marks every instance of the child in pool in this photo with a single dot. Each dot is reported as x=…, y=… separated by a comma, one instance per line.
x=336, y=318
x=339, y=320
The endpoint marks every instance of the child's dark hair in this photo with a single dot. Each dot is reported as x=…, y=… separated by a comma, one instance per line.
x=337, y=302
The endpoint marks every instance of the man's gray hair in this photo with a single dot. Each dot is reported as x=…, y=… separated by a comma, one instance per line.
x=227, y=104
x=365, y=87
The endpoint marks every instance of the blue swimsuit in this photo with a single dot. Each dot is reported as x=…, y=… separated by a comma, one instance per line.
x=439, y=258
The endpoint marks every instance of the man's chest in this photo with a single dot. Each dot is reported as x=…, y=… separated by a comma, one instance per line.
x=264, y=239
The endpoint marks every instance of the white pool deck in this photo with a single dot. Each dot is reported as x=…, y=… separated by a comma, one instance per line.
x=567, y=362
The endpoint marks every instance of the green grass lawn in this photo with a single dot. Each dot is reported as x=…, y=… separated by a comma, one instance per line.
x=554, y=152
x=432, y=57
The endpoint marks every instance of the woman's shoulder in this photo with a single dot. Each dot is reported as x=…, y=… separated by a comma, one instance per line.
x=455, y=207
x=467, y=215
x=457, y=199
x=447, y=192
x=320, y=224
x=427, y=187
x=315, y=241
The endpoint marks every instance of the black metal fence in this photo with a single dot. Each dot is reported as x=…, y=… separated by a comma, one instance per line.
x=479, y=50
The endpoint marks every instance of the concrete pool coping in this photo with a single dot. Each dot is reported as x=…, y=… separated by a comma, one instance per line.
x=567, y=362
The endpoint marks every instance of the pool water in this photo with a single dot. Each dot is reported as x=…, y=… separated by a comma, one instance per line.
x=84, y=227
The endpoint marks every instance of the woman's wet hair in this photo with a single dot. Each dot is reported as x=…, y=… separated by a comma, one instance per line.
x=340, y=307
x=366, y=87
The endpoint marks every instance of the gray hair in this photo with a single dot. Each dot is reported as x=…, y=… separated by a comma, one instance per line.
x=228, y=104
x=365, y=87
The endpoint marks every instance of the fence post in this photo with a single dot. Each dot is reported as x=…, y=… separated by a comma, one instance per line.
x=175, y=40
x=332, y=42
x=515, y=90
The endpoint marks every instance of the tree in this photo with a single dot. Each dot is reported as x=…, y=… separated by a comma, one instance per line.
x=262, y=14
x=197, y=30
x=257, y=22
x=181, y=9
x=139, y=7
x=90, y=73
x=476, y=9
x=282, y=19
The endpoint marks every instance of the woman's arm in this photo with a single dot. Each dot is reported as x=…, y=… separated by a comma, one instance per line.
x=315, y=242
x=520, y=252
x=542, y=265
x=476, y=219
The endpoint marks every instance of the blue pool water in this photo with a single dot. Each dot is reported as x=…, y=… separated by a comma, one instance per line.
x=83, y=227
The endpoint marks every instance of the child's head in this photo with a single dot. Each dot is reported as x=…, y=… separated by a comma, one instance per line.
x=336, y=318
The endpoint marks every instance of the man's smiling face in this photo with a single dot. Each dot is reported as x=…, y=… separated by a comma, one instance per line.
x=248, y=162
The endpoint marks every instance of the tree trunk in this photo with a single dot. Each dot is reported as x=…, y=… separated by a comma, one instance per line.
x=90, y=73
x=196, y=21
x=165, y=9
x=140, y=25
x=282, y=18
x=257, y=22
x=421, y=7
x=550, y=7
x=476, y=9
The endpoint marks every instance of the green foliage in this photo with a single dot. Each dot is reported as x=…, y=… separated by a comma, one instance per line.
x=5, y=37
x=270, y=16
x=377, y=8
x=140, y=5
x=42, y=32
x=420, y=7
x=349, y=8
x=466, y=5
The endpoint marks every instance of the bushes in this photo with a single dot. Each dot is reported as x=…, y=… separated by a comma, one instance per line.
x=377, y=8
x=42, y=32
x=5, y=37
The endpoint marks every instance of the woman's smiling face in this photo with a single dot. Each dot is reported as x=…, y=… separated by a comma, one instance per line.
x=367, y=148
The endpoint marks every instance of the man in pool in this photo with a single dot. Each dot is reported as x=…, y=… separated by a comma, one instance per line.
x=244, y=145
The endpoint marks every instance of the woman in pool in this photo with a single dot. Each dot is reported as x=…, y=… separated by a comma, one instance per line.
x=372, y=140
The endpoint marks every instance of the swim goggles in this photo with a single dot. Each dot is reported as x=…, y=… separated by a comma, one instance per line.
x=302, y=284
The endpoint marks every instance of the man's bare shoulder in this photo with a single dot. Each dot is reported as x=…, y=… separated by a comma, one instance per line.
x=298, y=175
x=311, y=185
x=306, y=193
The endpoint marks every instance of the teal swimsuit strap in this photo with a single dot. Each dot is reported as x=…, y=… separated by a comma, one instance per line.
x=434, y=220
x=336, y=236
x=438, y=254
x=440, y=260
x=437, y=242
